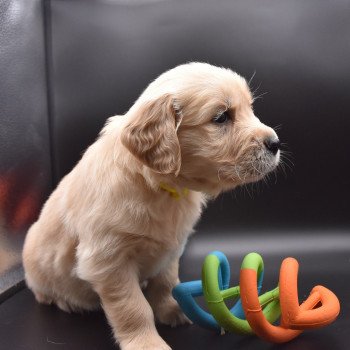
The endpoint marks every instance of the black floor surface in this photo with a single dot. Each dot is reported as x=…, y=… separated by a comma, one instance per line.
x=24, y=324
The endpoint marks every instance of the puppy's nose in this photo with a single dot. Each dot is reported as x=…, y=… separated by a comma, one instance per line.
x=272, y=144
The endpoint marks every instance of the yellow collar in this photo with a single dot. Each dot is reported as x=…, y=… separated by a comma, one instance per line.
x=173, y=191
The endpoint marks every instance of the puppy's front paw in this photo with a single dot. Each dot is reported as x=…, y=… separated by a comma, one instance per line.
x=169, y=313
x=154, y=342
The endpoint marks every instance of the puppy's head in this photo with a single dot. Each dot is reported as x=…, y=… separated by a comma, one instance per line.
x=196, y=123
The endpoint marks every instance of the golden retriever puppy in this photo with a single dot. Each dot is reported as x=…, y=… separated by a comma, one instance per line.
x=123, y=215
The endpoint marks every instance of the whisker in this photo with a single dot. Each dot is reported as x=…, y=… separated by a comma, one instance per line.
x=285, y=148
x=251, y=78
x=287, y=153
x=260, y=96
x=286, y=165
x=287, y=160
x=256, y=89
x=246, y=188
x=277, y=127
x=283, y=167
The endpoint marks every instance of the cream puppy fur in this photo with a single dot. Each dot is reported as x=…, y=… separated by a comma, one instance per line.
x=110, y=224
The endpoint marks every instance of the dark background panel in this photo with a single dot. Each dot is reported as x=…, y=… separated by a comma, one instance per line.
x=106, y=52
x=25, y=170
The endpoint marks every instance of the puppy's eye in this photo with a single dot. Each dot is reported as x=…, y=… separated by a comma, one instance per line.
x=222, y=118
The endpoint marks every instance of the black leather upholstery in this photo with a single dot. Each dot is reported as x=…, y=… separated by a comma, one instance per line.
x=67, y=65
x=106, y=52
x=25, y=170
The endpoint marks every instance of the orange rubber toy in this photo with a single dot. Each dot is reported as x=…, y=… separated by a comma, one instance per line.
x=319, y=309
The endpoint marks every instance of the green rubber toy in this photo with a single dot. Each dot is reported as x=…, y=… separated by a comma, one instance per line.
x=215, y=298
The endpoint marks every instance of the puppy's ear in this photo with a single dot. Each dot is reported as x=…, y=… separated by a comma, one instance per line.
x=151, y=135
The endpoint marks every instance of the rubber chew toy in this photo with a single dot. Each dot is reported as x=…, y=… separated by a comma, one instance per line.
x=215, y=287
x=307, y=315
x=215, y=297
x=294, y=318
x=185, y=294
x=319, y=309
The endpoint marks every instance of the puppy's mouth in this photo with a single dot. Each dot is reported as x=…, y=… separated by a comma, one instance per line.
x=262, y=165
x=252, y=168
